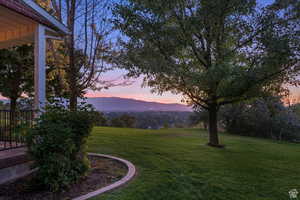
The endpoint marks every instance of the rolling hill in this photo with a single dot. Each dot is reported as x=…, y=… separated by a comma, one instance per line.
x=116, y=104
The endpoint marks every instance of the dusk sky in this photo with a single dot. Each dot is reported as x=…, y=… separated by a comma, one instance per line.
x=135, y=90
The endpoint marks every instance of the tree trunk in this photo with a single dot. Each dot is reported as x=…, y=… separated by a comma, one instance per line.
x=205, y=125
x=71, y=46
x=72, y=78
x=213, y=126
x=13, y=107
x=73, y=101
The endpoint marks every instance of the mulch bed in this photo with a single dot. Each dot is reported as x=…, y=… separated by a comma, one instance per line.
x=104, y=171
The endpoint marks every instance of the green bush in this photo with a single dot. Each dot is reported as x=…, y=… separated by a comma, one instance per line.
x=58, y=146
x=265, y=117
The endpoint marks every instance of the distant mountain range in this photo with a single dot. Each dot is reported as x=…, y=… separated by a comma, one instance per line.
x=116, y=104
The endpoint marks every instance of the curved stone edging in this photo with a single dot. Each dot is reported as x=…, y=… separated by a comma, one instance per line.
x=130, y=174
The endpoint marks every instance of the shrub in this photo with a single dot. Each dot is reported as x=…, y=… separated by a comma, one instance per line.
x=266, y=118
x=58, y=146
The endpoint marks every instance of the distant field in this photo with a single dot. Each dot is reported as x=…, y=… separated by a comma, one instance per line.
x=175, y=164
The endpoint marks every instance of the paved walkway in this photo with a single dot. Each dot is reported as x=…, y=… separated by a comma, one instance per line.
x=4, y=145
x=12, y=157
x=12, y=152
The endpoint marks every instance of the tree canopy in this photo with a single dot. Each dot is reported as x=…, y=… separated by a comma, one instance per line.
x=16, y=72
x=212, y=52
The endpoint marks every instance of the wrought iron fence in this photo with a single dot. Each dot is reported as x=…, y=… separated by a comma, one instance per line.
x=13, y=127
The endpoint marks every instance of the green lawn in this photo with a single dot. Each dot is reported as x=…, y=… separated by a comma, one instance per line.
x=175, y=164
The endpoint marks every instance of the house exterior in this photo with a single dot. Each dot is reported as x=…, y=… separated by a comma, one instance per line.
x=23, y=22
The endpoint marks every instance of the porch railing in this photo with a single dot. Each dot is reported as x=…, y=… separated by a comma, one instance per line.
x=13, y=127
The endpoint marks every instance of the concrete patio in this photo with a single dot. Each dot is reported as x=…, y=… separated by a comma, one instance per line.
x=14, y=163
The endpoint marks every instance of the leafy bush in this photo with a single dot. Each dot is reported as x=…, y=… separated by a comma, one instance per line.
x=266, y=118
x=58, y=146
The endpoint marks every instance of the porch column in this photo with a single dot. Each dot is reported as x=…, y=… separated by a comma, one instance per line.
x=40, y=68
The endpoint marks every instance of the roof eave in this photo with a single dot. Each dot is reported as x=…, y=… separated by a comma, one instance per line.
x=61, y=27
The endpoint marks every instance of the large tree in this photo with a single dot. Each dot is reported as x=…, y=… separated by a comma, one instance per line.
x=212, y=52
x=16, y=72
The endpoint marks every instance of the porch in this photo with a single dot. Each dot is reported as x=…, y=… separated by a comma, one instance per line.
x=13, y=127
x=14, y=161
x=24, y=22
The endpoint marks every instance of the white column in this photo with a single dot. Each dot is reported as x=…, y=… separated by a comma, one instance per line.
x=40, y=68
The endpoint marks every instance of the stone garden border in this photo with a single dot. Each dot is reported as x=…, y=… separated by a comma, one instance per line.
x=130, y=174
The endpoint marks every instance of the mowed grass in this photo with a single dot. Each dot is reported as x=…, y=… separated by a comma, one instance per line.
x=175, y=164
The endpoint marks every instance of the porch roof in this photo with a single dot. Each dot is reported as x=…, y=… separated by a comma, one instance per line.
x=23, y=22
x=19, y=19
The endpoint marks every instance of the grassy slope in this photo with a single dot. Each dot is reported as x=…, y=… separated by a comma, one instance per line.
x=174, y=164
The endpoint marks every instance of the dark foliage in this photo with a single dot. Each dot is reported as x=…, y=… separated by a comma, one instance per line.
x=16, y=71
x=58, y=146
x=266, y=118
